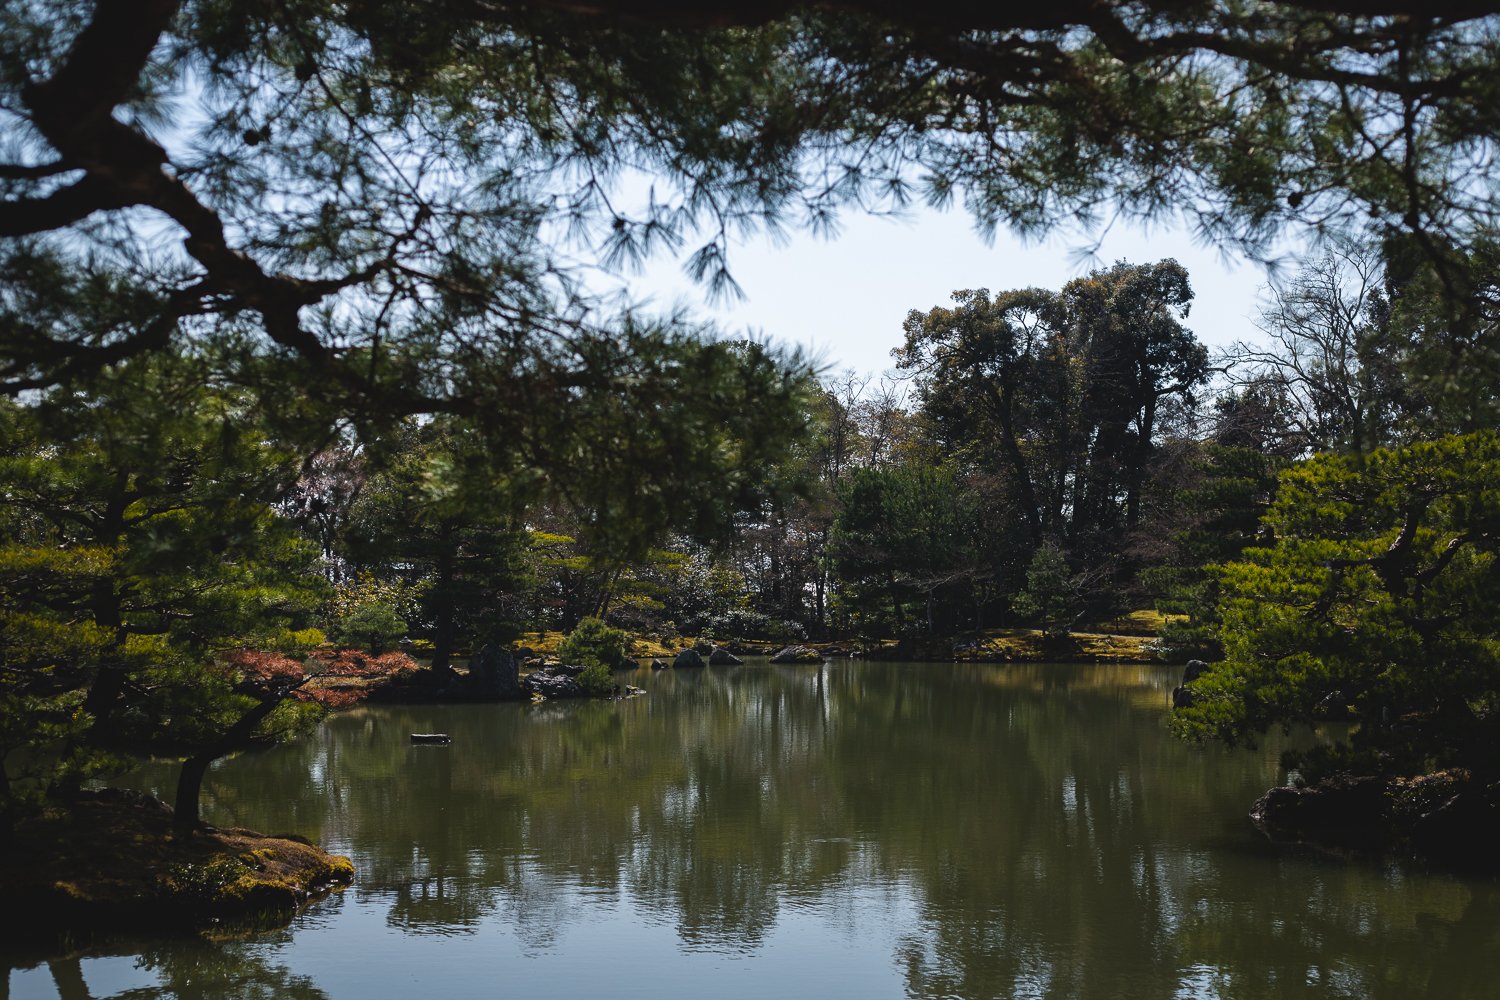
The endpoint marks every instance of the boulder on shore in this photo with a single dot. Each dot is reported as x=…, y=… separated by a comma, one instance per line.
x=494, y=673
x=688, y=658
x=724, y=658
x=798, y=654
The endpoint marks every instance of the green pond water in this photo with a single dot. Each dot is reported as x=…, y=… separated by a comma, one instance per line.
x=850, y=830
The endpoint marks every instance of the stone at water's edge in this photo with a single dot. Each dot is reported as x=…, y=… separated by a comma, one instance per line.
x=688, y=658
x=494, y=673
x=798, y=654
x=1181, y=696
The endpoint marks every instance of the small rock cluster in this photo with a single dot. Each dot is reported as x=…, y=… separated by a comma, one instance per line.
x=798, y=654
x=704, y=653
x=560, y=680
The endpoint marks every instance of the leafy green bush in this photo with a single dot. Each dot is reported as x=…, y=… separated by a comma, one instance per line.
x=594, y=642
x=372, y=626
x=596, y=679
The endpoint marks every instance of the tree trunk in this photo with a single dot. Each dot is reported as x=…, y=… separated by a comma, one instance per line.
x=189, y=791
x=1137, y=473
x=1020, y=468
x=442, y=592
x=195, y=768
x=103, y=697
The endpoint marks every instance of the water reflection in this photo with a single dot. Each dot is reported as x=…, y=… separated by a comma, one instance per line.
x=948, y=831
x=186, y=970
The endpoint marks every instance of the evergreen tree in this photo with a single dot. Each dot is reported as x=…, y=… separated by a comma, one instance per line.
x=143, y=547
x=443, y=517
x=1379, y=595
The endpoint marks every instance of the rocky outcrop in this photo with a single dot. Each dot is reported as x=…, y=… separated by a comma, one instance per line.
x=1461, y=819
x=723, y=658
x=1345, y=811
x=1447, y=817
x=556, y=681
x=688, y=658
x=798, y=654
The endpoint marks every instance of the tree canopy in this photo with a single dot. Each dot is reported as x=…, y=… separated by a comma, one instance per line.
x=379, y=189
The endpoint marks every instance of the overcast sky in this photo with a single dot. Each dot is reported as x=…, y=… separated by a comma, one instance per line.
x=844, y=300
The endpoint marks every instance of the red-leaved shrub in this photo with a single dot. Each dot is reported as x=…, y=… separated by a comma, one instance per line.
x=262, y=673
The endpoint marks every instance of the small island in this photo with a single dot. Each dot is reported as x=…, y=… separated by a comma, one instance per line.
x=111, y=861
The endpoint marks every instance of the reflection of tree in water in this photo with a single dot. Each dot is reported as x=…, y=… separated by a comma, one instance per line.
x=1054, y=840
x=1090, y=875
x=195, y=970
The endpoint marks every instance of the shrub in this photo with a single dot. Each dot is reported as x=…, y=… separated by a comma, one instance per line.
x=596, y=679
x=594, y=642
x=372, y=626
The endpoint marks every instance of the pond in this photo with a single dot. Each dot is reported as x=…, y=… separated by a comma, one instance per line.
x=854, y=829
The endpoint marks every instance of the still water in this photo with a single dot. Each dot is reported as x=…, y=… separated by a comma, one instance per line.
x=850, y=830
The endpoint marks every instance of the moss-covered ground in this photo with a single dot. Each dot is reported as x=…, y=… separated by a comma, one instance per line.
x=110, y=862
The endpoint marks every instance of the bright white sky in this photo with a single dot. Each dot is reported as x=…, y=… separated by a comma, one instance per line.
x=844, y=300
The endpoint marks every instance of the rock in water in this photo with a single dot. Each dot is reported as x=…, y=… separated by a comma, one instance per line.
x=724, y=658
x=494, y=673
x=798, y=654
x=688, y=658
x=1182, y=696
x=551, y=682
